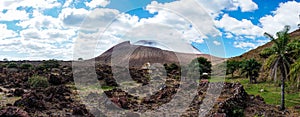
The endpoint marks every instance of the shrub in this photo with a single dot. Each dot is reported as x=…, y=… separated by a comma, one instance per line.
x=38, y=82
x=50, y=64
x=25, y=66
x=171, y=67
x=40, y=67
x=12, y=65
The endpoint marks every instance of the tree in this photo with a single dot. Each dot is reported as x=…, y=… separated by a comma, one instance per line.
x=232, y=66
x=202, y=65
x=251, y=69
x=80, y=59
x=5, y=59
x=278, y=59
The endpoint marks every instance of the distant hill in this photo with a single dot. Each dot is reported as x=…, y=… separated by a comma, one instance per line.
x=138, y=55
x=255, y=52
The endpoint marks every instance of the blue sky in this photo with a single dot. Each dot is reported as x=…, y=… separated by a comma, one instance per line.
x=48, y=29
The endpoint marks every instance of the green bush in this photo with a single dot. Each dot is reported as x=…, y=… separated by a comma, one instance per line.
x=40, y=67
x=38, y=82
x=25, y=66
x=171, y=67
x=12, y=65
x=51, y=64
x=238, y=112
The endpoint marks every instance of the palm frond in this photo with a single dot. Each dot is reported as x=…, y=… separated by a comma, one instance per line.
x=271, y=37
x=270, y=60
x=274, y=68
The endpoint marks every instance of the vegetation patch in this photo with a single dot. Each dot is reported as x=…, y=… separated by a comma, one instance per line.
x=38, y=82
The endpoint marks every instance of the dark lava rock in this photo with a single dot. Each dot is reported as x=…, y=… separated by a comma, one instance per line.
x=13, y=112
x=110, y=82
x=55, y=79
x=81, y=110
x=18, y=92
x=9, y=95
x=31, y=102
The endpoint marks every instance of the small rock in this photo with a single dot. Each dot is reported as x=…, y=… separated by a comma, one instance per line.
x=9, y=95
x=9, y=104
x=18, y=92
x=297, y=107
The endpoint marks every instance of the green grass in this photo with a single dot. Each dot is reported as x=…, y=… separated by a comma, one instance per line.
x=271, y=93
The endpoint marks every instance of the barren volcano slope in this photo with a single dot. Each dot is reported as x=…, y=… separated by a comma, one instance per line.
x=137, y=55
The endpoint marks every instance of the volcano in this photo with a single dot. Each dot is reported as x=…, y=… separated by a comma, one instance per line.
x=137, y=55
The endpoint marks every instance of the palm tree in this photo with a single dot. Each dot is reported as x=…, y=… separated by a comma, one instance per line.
x=232, y=66
x=251, y=69
x=278, y=59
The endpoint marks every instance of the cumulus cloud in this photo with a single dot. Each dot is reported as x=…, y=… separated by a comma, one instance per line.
x=37, y=4
x=286, y=14
x=244, y=45
x=237, y=27
x=244, y=5
x=5, y=33
x=95, y=3
x=197, y=16
x=10, y=15
x=217, y=42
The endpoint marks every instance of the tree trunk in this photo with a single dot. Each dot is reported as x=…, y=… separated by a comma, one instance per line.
x=283, y=76
x=282, y=94
x=232, y=75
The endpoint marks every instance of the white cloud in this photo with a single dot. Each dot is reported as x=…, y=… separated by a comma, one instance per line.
x=37, y=4
x=10, y=15
x=5, y=33
x=40, y=22
x=286, y=14
x=244, y=5
x=217, y=43
x=244, y=45
x=239, y=28
x=67, y=3
x=95, y=3
x=98, y=18
x=187, y=10
x=228, y=35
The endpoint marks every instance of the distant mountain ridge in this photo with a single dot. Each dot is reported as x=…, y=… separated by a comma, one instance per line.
x=137, y=55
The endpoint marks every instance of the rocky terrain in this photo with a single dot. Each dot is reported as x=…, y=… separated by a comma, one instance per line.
x=61, y=98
